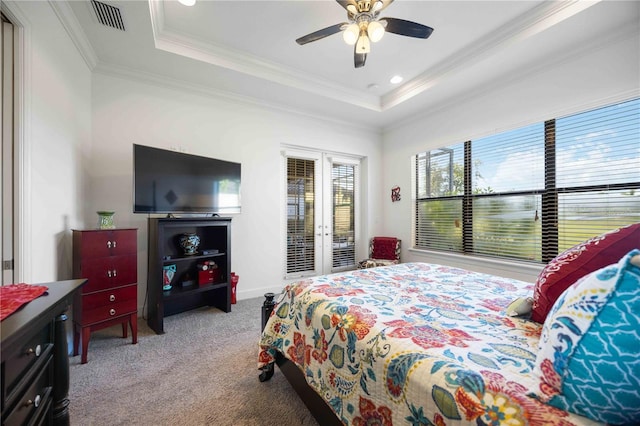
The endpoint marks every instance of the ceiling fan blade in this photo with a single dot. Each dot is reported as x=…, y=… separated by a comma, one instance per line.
x=325, y=32
x=407, y=28
x=359, y=59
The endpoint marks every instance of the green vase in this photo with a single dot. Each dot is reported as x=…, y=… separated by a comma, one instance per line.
x=105, y=220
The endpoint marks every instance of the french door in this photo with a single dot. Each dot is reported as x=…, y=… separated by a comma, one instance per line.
x=321, y=212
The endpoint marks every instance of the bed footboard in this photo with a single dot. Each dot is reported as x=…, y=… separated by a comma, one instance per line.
x=266, y=373
x=267, y=308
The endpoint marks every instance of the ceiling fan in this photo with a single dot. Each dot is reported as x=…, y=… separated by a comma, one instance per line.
x=365, y=27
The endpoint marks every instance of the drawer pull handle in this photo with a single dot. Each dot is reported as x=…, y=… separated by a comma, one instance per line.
x=112, y=298
x=112, y=312
x=111, y=244
x=37, y=351
x=108, y=244
x=112, y=273
x=114, y=244
x=115, y=273
x=35, y=402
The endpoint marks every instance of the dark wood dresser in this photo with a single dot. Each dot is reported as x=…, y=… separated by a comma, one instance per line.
x=35, y=359
x=108, y=258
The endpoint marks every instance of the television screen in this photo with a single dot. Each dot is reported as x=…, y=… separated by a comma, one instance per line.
x=174, y=182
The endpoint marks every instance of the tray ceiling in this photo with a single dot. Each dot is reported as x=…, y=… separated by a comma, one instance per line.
x=247, y=50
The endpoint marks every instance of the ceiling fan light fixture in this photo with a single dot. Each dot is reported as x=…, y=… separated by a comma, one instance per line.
x=363, y=45
x=350, y=34
x=363, y=27
x=375, y=31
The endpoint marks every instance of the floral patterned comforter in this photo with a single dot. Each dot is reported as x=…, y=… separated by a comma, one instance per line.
x=415, y=344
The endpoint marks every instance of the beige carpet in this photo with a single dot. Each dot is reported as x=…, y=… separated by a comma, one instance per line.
x=202, y=371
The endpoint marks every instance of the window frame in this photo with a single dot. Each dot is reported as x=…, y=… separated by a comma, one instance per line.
x=550, y=194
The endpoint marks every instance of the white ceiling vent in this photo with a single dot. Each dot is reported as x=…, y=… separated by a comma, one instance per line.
x=108, y=15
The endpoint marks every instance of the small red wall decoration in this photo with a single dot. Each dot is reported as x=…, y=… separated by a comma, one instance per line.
x=395, y=194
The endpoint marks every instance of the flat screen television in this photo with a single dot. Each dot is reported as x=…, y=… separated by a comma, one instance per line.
x=175, y=182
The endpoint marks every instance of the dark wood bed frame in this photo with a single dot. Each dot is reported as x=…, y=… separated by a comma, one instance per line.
x=320, y=410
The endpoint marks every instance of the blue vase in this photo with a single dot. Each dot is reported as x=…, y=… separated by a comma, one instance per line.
x=189, y=242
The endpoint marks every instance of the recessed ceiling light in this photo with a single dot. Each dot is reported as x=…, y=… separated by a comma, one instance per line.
x=395, y=79
x=187, y=2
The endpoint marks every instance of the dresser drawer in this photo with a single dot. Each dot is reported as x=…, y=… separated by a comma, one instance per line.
x=103, y=313
x=23, y=359
x=107, y=272
x=109, y=297
x=104, y=243
x=34, y=401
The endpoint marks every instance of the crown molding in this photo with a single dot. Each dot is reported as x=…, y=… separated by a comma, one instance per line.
x=190, y=47
x=71, y=25
x=527, y=25
x=625, y=32
x=183, y=86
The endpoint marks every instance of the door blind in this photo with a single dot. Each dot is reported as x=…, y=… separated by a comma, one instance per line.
x=300, y=215
x=343, y=179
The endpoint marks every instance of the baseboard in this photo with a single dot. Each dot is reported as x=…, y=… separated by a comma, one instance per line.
x=250, y=294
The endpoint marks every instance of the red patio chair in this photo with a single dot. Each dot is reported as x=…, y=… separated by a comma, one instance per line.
x=383, y=251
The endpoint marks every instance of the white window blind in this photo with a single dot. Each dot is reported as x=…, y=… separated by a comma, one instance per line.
x=507, y=181
x=439, y=186
x=300, y=215
x=343, y=178
x=597, y=171
x=532, y=192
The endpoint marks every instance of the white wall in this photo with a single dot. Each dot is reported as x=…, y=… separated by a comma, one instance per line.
x=601, y=76
x=57, y=133
x=127, y=112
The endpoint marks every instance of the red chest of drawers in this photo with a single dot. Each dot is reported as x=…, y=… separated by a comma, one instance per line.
x=107, y=258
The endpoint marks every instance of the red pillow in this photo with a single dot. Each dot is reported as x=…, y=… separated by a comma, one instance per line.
x=578, y=261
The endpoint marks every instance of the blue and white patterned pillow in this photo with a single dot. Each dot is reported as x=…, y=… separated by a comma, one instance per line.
x=589, y=353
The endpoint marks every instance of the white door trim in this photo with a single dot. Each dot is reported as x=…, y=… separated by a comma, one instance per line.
x=22, y=125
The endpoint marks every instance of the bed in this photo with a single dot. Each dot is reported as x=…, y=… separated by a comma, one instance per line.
x=413, y=343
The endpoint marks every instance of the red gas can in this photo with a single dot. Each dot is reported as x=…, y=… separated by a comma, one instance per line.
x=234, y=283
